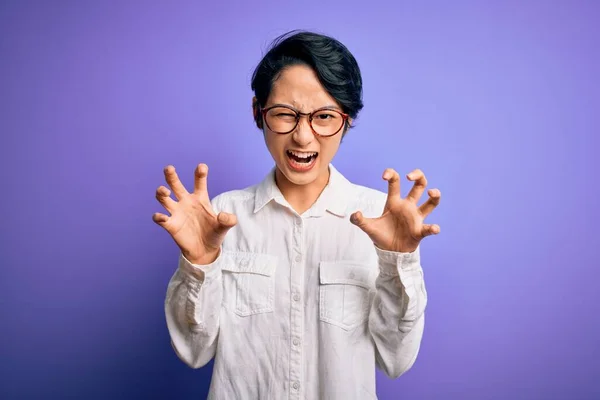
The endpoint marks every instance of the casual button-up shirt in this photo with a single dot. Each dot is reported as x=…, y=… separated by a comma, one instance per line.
x=298, y=306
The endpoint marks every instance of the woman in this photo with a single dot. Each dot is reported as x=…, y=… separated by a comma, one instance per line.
x=300, y=285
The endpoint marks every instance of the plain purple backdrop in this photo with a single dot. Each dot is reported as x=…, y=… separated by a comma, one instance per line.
x=497, y=102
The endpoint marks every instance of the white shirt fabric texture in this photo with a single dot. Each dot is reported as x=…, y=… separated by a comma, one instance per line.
x=298, y=306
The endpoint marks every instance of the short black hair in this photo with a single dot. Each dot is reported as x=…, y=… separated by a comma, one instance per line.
x=334, y=65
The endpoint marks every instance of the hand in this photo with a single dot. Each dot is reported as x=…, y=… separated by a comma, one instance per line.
x=192, y=223
x=400, y=228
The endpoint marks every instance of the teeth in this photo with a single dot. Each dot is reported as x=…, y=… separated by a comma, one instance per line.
x=301, y=155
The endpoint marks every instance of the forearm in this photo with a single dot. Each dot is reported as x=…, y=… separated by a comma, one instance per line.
x=192, y=309
x=397, y=315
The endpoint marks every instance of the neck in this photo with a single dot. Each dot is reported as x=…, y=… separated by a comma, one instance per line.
x=301, y=197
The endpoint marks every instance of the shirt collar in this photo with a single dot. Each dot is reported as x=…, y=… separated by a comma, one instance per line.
x=334, y=197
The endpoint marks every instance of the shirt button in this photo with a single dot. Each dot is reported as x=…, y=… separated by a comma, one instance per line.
x=298, y=258
x=296, y=386
x=296, y=342
x=296, y=297
x=351, y=275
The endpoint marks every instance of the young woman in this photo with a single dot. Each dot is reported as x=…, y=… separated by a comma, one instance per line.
x=301, y=285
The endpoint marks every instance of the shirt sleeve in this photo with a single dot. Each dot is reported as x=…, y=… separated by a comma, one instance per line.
x=397, y=314
x=192, y=308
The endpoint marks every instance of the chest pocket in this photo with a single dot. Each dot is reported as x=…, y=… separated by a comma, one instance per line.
x=248, y=282
x=344, y=293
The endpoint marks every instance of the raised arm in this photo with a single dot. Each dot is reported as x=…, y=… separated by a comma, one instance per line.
x=194, y=294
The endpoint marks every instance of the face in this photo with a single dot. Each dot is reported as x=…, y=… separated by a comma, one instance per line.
x=302, y=158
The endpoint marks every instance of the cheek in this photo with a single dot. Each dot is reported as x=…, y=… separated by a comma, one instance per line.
x=275, y=143
x=329, y=148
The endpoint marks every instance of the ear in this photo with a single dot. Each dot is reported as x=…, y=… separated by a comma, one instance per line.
x=346, y=128
x=256, y=113
x=254, y=106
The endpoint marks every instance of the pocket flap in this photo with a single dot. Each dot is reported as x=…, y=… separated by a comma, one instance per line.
x=252, y=263
x=344, y=272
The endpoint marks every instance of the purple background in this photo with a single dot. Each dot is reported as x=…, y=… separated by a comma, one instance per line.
x=497, y=102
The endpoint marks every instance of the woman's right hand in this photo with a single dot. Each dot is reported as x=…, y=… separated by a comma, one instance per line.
x=192, y=223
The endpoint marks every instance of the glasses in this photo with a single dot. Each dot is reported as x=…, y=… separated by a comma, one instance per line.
x=323, y=122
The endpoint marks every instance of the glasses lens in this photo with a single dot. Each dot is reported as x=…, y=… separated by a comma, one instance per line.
x=281, y=119
x=327, y=122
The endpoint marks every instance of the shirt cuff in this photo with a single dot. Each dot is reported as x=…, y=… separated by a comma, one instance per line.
x=200, y=273
x=392, y=262
x=407, y=267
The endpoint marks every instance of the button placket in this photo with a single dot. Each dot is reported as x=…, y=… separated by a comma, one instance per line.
x=296, y=309
x=298, y=240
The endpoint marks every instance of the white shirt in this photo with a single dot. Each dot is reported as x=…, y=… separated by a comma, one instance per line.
x=298, y=306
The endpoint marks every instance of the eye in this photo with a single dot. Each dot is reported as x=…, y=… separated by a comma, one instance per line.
x=282, y=113
x=325, y=115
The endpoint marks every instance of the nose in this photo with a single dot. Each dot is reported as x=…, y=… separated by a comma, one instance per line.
x=303, y=134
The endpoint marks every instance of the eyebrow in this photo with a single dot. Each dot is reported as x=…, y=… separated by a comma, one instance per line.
x=327, y=107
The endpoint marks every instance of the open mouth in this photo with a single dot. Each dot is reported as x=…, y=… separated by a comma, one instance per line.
x=302, y=157
x=301, y=161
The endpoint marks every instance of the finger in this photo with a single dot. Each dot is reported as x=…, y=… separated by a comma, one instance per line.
x=434, y=199
x=363, y=223
x=419, y=187
x=160, y=219
x=174, y=183
x=430, y=229
x=200, y=178
x=163, y=196
x=226, y=221
x=393, y=179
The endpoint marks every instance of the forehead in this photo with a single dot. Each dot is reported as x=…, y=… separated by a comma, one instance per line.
x=299, y=87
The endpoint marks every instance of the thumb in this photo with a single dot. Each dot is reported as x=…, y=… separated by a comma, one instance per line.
x=226, y=221
x=359, y=220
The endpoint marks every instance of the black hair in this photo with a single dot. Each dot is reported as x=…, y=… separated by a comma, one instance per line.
x=334, y=65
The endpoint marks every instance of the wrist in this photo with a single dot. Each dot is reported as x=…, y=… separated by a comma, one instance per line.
x=208, y=257
x=402, y=248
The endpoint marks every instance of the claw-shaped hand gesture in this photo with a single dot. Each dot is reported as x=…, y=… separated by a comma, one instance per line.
x=401, y=226
x=193, y=224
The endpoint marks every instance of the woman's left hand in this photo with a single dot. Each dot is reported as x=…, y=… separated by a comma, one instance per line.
x=401, y=226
